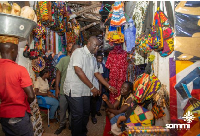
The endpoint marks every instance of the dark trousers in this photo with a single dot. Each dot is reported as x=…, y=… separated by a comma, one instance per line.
x=93, y=104
x=80, y=111
x=22, y=128
x=63, y=108
x=99, y=99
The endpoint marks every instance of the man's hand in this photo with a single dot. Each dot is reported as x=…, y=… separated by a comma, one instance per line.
x=112, y=89
x=99, y=93
x=104, y=97
x=57, y=93
x=95, y=91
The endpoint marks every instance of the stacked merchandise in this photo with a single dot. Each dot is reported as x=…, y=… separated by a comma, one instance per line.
x=55, y=26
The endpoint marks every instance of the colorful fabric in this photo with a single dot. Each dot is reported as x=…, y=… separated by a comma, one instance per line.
x=70, y=37
x=138, y=16
x=118, y=17
x=142, y=41
x=36, y=119
x=38, y=64
x=142, y=88
x=187, y=79
x=161, y=38
x=150, y=130
x=49, y=64
x=124, y=101
x=178, y=107
x=156, y=84
x=8, y=39
x=157, y=111
x=140, y=117
x=43, y=10
x=168, y=47
x=116, y=36
x=117, y=63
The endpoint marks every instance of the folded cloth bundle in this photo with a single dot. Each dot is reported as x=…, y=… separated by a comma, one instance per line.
x=9, y=39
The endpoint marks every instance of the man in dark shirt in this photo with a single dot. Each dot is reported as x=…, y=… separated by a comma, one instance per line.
x=105, y=75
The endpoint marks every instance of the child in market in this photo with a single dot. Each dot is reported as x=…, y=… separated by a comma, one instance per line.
x=121, y=104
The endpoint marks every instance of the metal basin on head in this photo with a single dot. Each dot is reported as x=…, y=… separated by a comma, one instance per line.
x=16, y=26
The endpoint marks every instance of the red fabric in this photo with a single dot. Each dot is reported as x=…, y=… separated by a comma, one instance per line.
x=183, y=131
x=117, y=63
x=107, y=128
x=173, y=98
x=195, y=93
x=13, y=78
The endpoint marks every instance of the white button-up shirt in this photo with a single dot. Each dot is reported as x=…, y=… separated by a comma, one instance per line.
x=82, y=58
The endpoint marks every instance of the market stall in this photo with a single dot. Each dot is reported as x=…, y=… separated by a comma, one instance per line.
x=153, y=44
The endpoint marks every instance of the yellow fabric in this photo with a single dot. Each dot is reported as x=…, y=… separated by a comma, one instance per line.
x=183, y=64
x=9, y=39
x=124, y=101
x=42, y=85
x=134, y=118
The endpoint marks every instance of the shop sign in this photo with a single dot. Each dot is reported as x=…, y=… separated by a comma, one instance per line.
x=188, y=117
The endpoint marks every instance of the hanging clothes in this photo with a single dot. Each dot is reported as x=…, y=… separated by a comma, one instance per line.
x=129, y=35
x=138, y=16
x=117, y=63
x=118, y=17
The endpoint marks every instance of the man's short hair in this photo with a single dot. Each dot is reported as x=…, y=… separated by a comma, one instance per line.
x=75, y=46
x=99, y=53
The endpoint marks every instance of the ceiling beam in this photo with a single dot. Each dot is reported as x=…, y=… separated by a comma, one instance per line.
x=90, y=16
x=90, y=25
x=94, y=14
x=87, y=9
x=85, y=3
x=86, y=20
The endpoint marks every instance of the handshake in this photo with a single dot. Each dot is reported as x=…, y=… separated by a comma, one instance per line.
x=97, y=92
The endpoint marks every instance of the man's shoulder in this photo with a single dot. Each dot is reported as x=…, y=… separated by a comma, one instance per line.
x=65, y=58
x=17, y=67
x=78, y=52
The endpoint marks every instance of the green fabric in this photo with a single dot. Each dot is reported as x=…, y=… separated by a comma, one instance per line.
x=59, y=44
x=62, y=67
x=142, y=117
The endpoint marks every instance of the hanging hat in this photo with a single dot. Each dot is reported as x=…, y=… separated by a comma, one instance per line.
x=9, y=39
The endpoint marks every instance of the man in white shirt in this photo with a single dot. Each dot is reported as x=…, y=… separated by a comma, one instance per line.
x=78, y=85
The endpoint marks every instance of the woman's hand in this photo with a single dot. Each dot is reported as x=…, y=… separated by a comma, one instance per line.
x=120, y=119
x=112, y=89
x=104, y=97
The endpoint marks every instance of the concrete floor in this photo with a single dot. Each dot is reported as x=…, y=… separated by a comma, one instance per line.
x=93, y=129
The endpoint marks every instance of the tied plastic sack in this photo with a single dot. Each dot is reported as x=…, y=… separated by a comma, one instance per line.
x=187, y=29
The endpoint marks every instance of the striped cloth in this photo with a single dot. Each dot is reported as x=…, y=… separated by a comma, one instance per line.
x=118, y=17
